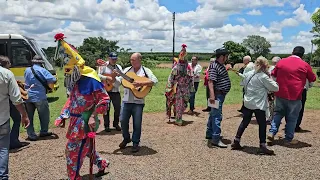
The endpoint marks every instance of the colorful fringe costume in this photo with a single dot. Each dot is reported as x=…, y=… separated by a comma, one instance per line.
x=179, y=87
x=87, y=95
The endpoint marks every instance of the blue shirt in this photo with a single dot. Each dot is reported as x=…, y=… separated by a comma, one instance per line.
x=37, y=93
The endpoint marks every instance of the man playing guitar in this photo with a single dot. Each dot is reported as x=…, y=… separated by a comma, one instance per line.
x=133, y=106
x=108, y=74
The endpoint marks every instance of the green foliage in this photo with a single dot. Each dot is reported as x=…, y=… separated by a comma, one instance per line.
x=315, y=18
x=259, y=45
x=94, y=48
x=237, y=51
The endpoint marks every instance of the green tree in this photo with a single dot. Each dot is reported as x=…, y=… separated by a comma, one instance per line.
x=237, y=51
x=94, y=48
x=258, y=45
x=315, y=18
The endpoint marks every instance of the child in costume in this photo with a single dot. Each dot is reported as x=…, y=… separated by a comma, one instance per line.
x=87, y=99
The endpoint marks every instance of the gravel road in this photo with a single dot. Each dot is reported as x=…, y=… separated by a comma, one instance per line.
x=172, y=152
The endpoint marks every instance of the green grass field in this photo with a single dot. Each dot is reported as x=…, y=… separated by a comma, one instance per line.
x=155, y=101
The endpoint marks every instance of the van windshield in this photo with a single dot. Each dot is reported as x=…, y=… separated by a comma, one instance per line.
x=40, y=52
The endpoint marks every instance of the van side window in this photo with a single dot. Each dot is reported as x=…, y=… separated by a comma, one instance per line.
x=21, y=54
x=3, y=48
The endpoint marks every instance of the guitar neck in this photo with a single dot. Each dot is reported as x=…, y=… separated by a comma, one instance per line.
x=121, y=73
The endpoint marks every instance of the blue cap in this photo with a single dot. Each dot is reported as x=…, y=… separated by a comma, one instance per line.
x=113, y=55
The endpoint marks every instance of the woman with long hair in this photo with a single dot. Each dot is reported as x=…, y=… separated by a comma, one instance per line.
x=257, y=84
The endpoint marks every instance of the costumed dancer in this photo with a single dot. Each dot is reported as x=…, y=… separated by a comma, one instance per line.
x=87, y=99
x=179, y=87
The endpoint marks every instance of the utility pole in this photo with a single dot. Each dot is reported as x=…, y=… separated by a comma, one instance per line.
x=311, y=60
x=174, y=33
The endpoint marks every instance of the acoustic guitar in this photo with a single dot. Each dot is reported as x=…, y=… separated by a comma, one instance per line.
x=128, y=79
x=108, y=85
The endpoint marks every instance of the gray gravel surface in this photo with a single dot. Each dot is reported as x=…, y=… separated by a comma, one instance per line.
x=173, y=152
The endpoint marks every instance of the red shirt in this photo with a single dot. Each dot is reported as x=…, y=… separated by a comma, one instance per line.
x=292, y=73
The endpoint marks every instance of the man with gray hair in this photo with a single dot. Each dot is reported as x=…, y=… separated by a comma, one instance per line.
x=133, y=106
x=9, y=90
x=248, y=66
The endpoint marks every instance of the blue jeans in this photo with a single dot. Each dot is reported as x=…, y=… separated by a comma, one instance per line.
x=134, y=110
x=4, y=149
x=214, y=121
x=288, y=109
x=15, y=130
x=193, y=95
x=44, y=116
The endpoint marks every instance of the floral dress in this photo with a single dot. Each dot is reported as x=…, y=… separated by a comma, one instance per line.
x=183, y=80
x=86, y=94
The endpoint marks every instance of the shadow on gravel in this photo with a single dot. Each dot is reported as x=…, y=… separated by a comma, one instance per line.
x=112, y=133
x=185, y=123
x=297, y=145
x=87, y=177
x=144, y=151
x=53, y=136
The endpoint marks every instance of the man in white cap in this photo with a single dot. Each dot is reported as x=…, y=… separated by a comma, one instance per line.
x=248, y=66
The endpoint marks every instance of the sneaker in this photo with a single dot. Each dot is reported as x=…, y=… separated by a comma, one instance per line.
x=263, y=150
x=135, y=148
x=208, y=137
x=219, y=144
x=46, y=134
x=117, y=127
x=236, y=145
x=101, y=172
x=270, y=139
x=190, y=112
x=124, y=143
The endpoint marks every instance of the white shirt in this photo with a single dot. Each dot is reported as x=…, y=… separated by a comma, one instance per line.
x=248, y=68
x=128, y=96
x=106, y=70
x=8, y=89
x=256, y=90
x=196, y=72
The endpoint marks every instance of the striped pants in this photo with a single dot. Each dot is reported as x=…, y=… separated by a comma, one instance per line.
x=76, y=151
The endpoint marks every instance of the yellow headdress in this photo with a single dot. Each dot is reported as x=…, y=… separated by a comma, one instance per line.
x=71, y=58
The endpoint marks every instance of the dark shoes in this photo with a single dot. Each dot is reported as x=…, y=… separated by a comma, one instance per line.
x=124, y=143
x=208, y=109
x=263, y=150
x=116, y=127
x=298, y=129
x=18, y=145
x=46, y=134
x=236, y=145
x=135, y=148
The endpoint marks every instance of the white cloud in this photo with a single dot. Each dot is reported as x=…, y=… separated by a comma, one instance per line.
x=242, y=20
x=144, y=24
x=282, y=12
x=254, y=12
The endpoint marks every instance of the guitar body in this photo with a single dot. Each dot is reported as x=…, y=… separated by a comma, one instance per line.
x=108, y=86
x=138, y=92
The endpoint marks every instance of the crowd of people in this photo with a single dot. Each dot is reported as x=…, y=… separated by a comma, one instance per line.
x=270, y=92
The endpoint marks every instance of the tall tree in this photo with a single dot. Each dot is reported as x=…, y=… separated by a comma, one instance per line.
x=258, y=45
x=94, y=48
x=315, y=18
x=237, y=51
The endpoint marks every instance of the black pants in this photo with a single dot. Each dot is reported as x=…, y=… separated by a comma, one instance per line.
x=116, y=102
x=261, y=118
x=304, y=99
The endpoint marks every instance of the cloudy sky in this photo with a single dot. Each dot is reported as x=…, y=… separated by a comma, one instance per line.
x=147, y=24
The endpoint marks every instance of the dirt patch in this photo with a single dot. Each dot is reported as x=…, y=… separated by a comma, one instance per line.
x=172, y=152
